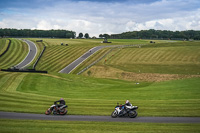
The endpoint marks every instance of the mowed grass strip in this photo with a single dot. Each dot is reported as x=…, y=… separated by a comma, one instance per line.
x=34, y=93
x=91, y=127
x=74, y=42
x=172, y=59
x=16, y=53
x=93, y=42
x=3, y=45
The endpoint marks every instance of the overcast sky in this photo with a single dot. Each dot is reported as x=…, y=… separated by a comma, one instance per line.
x=100, y=16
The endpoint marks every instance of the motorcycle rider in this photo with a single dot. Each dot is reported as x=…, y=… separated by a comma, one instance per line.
x=61, y=104
x=124, y=107
x=127, y=103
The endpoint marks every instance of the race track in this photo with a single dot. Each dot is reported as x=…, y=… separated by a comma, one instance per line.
x=78, y=61
x=30, y=56
x=28, y=116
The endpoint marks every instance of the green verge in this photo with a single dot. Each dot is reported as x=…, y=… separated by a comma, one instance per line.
x=32, y=126
x=3, y=45
x=34, y=93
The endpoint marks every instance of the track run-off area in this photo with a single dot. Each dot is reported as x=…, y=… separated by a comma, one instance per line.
x=28, y=116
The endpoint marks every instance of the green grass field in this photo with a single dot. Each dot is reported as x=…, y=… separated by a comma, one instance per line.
x=91, y=94
x=97, y=91
x=87, y=96
x=57, y=57
x=32, y=126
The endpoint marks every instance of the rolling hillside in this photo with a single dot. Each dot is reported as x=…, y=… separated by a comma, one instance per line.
x=28, y=92
x=165, y=59
x=88, y=95
x=56, y=57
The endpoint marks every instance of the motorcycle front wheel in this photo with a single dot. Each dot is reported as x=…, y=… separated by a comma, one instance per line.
x=48, y=112
x=114, y=114
x=132, y=114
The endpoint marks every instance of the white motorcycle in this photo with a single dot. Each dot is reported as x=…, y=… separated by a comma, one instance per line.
x=57, y=110
x=123, y=110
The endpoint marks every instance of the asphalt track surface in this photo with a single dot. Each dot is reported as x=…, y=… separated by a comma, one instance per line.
x=78, y=61
x=28, y=116
x=30, y=56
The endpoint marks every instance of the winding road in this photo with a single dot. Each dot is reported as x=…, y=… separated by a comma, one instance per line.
x=78, y=61
x=30, y=56
x=28, y=116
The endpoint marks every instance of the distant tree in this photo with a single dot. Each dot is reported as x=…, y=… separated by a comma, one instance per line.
x=80, y=35
x=106, y=35
x=100, y=35
x=86, y=35
x=69, y=35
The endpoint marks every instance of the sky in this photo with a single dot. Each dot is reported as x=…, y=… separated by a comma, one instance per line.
x=101, y=16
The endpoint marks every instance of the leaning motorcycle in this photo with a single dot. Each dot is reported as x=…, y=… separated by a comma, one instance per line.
x=57, y=110
x=128, y=111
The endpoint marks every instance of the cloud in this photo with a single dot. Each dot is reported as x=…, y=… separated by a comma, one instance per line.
x=95, y=17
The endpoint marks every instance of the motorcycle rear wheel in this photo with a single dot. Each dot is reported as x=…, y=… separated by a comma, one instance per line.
x=114, y=114
x=132, y=114
x=63, y=112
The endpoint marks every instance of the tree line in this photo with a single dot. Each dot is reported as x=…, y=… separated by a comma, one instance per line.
x=37, y=33
x=81, y=35
x=143, y=34
x=155, y=34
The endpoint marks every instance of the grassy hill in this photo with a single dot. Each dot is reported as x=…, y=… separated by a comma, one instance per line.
x=88, y=95
x=56, y=57
x=168, y=60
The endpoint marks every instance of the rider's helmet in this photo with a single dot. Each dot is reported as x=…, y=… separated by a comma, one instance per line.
x=127, y=101
x=61, y=99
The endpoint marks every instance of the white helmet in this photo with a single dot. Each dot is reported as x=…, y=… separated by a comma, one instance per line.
x=127, y=101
